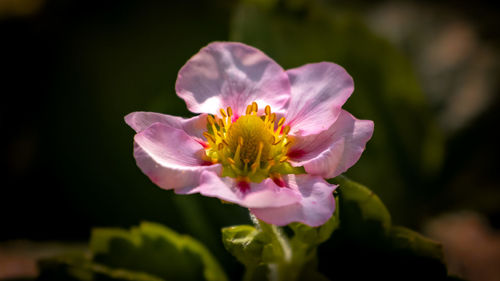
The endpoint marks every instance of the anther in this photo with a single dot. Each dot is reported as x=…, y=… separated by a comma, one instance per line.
x=268, y=110
x=286, y=130
x=208, y=136
x=282, y=120
x=273, y=117
x=220, y=146
x=223, y=113
x=255, y=107
x=210, y=119
x=249, y=109
x=229, y=111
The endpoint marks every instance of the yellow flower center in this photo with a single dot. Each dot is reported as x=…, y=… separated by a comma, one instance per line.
x=251, y=147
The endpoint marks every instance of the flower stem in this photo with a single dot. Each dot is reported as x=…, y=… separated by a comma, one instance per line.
x=277, y=269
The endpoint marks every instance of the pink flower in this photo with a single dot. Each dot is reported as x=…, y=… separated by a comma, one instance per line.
x=238, y=150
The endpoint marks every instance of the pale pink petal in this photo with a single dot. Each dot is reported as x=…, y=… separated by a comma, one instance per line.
x=170, y=158
x=314, y=209
x=194, y=126
x=231, y=74
x=332, y=152
x=318, y=92
x=259, y=195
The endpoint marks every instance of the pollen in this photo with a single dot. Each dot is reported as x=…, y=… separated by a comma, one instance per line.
x=251, y=147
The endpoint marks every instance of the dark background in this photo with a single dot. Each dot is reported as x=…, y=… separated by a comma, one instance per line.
x=73, y=69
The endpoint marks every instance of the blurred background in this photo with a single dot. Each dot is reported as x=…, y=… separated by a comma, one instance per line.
x=427, y=73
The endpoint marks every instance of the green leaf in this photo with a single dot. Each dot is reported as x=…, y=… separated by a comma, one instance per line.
x=361, y=210
x=157, y=250
x=149, y=252
x=413, y=243
x=78, y=267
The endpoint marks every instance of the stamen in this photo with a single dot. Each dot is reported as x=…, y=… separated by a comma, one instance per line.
x=236, y=169
x=238, y=149
x=286, y=130
x=256, y=163
x=246, y=161
x=270, y=164
x=210, y=119
x=282, y=120
x=209, y=137
x=255, y=107
x=273, y=117
x=251, y=146
x=223, y=113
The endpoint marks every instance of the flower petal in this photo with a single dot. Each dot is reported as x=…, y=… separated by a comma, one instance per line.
x=318, y=92
x=332, y=152
x=194, y=126
x=314, y=209
x=231, y=74
x=260, y=195
x=170, y=158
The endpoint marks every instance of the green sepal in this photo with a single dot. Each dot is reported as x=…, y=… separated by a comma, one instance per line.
x=286, y=168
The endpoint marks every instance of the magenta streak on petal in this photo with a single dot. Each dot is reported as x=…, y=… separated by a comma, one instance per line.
x=279, y=181
x=259, y=195
x=296, y=153
x=243, y=186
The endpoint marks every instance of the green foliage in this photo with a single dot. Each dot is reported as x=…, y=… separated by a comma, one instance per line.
x=362, y=208
x=367, y=238
x=358, y=235
x=292, y=257
x=148, y=252
x=363, y=244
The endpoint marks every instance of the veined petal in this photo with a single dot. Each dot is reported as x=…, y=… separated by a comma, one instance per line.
x=259, y=195
x=314, y=209
x=170, y=158
x=231, y=74
x=194, y=126
x=318, y=92
x=332, y=152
